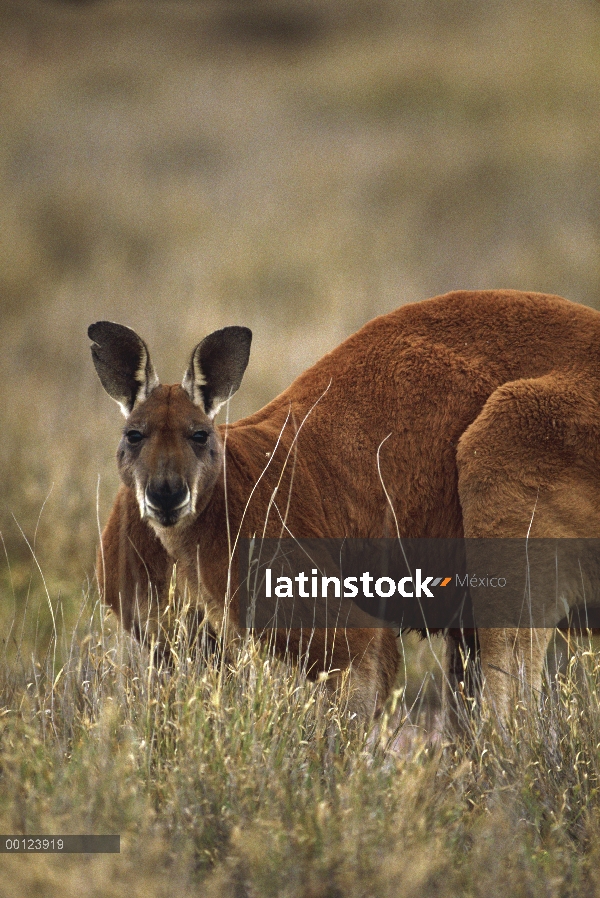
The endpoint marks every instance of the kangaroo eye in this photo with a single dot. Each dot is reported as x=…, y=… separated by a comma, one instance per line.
x=200, y=436
x=134, y=436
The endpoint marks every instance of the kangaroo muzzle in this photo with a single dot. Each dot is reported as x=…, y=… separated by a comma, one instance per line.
x=167, y=502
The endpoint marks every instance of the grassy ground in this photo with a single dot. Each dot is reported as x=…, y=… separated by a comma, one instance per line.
x=297, y=167
x=242, y=779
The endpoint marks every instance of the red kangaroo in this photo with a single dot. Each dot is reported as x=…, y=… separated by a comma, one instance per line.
x=478, y=411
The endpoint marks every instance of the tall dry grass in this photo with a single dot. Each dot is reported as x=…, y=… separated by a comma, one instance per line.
x=240, y=778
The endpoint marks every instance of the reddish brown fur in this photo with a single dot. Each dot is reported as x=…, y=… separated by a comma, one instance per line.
x=491, y=403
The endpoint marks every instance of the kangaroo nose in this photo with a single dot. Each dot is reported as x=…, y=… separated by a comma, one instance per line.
x=166, y=497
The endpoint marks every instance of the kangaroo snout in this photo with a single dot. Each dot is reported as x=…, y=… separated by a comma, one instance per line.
x=167, y=501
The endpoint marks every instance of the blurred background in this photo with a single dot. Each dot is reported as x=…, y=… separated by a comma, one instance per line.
x=296, y=166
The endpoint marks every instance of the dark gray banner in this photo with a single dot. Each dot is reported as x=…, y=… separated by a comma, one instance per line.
x=418, y=583
x=47, y=844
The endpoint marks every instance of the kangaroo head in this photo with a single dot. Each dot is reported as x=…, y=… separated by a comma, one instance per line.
x=170, y=453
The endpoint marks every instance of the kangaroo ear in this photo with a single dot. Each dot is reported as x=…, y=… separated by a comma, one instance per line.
x=123, y=364
x=216, y=368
